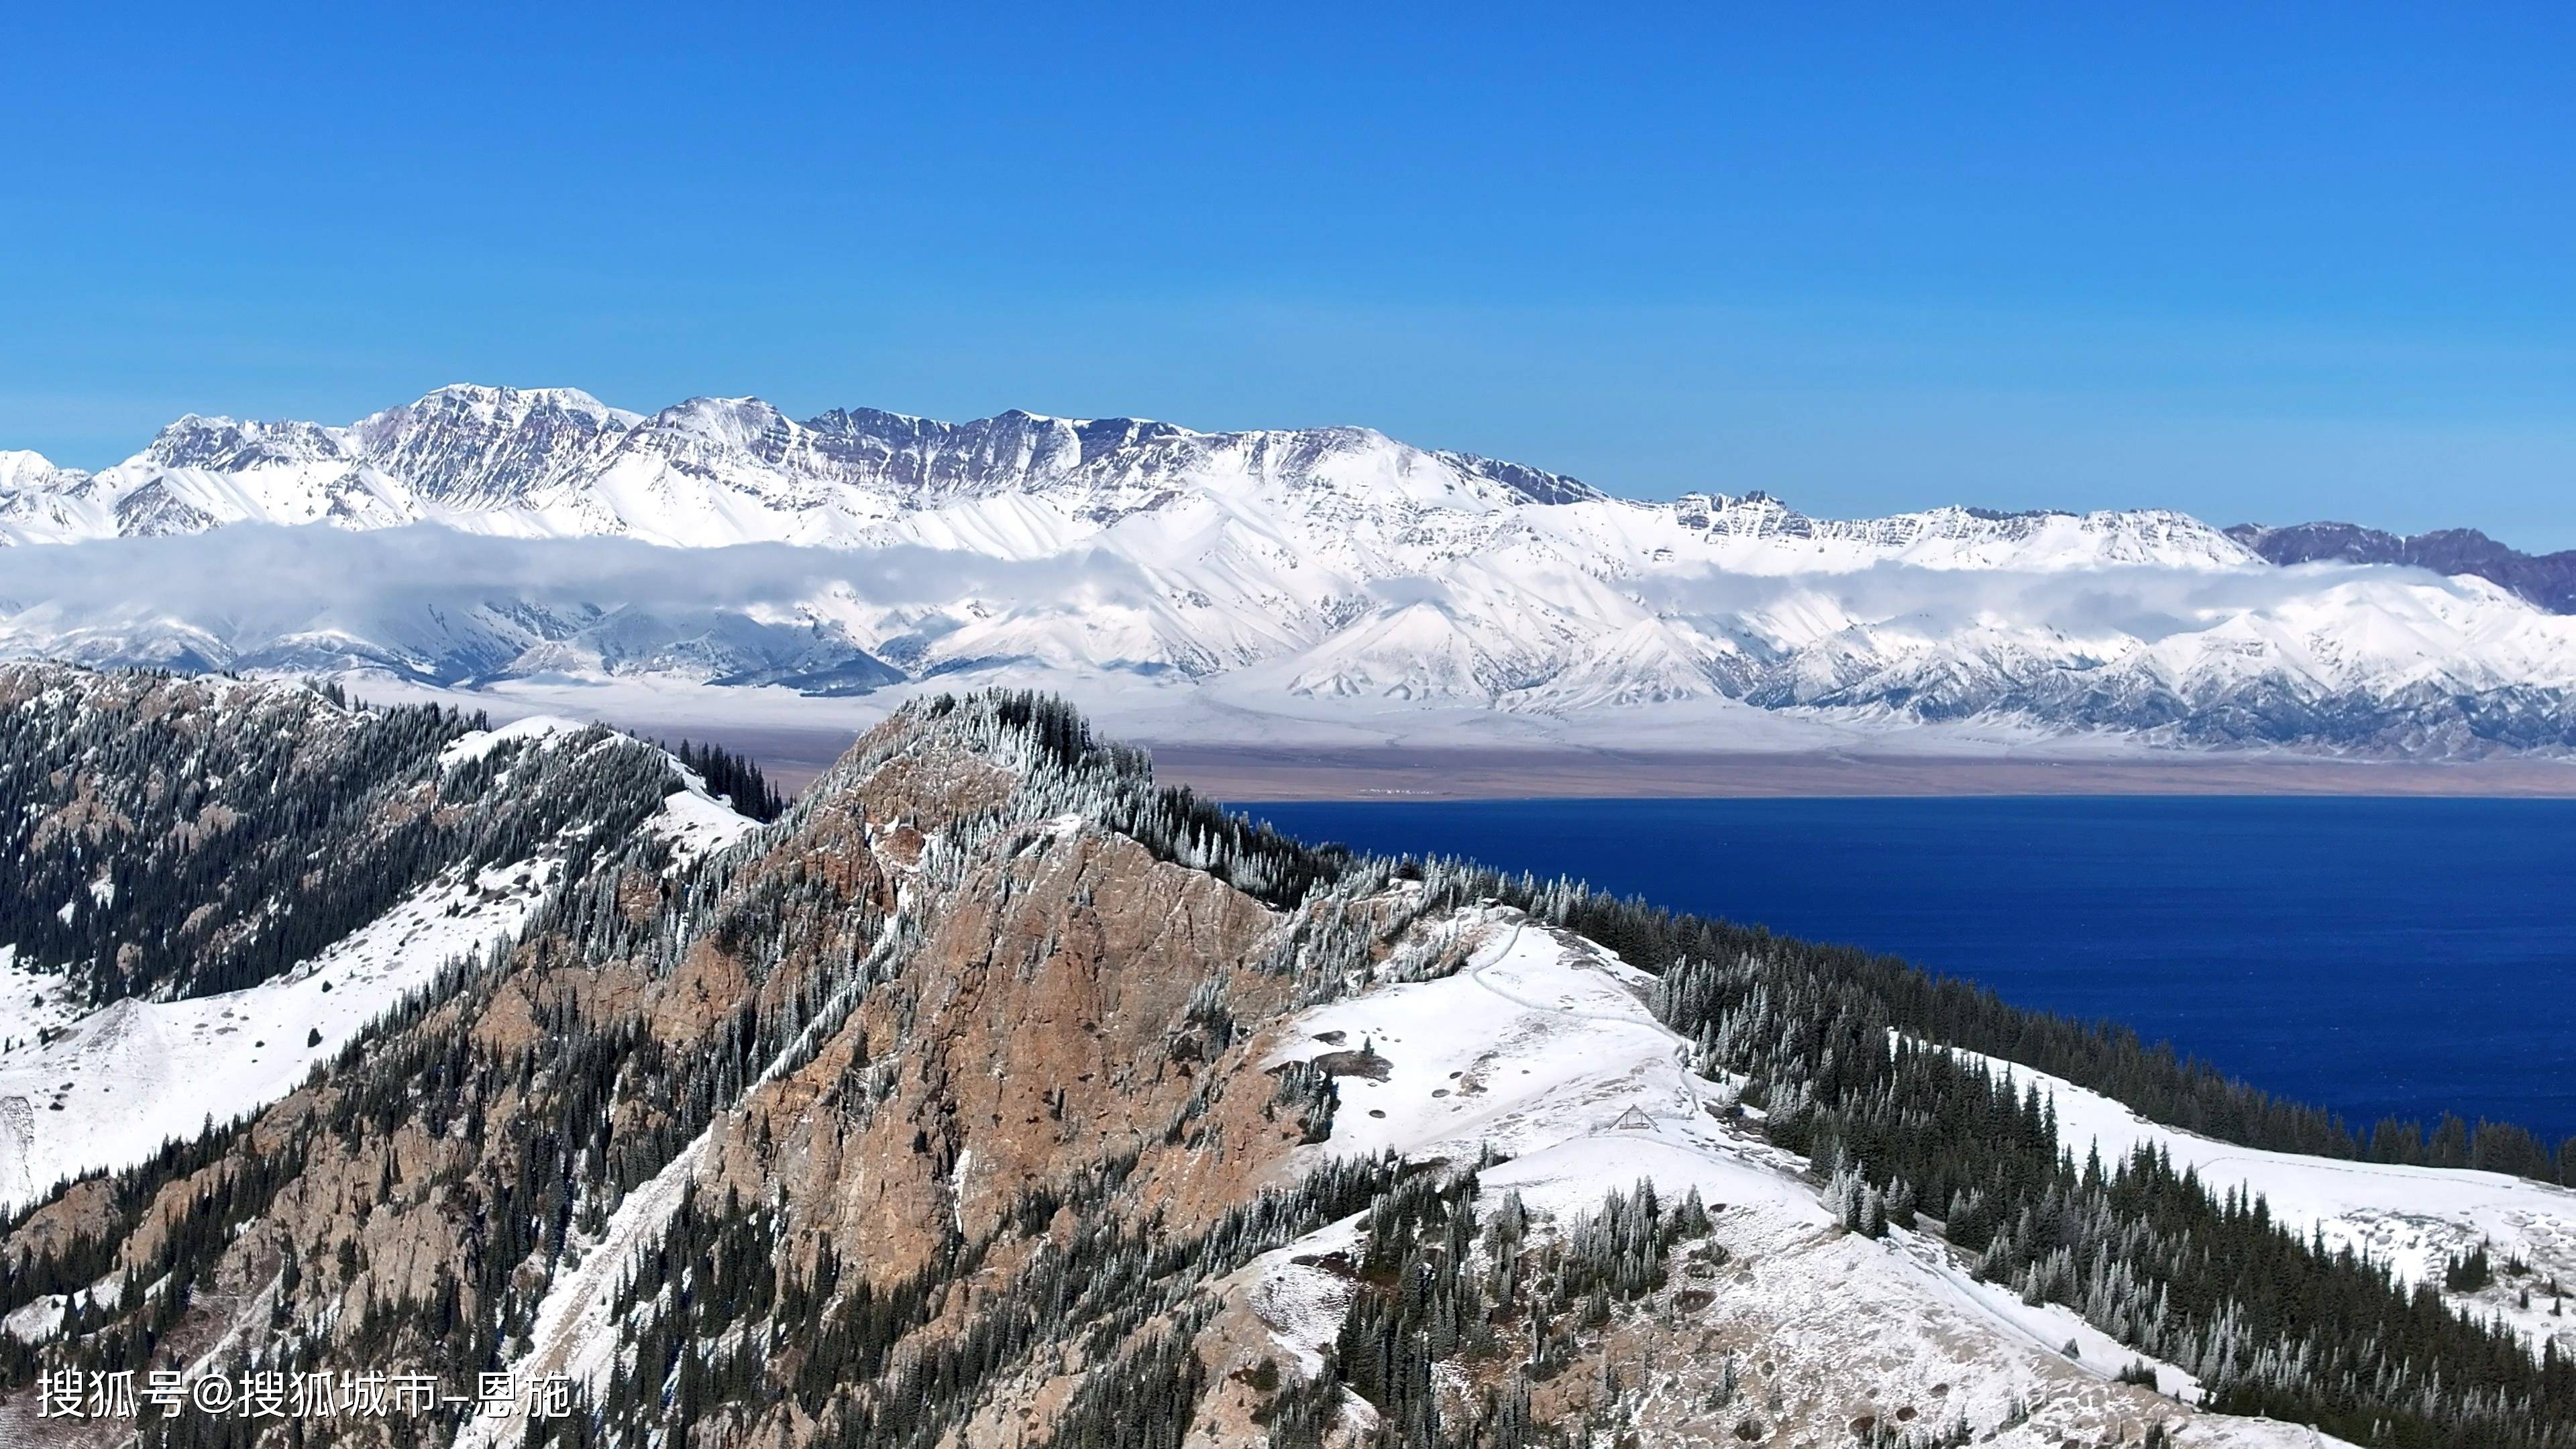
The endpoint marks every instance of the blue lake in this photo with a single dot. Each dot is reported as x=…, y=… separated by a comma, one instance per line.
x=2373, y=956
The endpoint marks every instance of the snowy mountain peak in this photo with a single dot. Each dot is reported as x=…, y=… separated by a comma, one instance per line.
x=718, y=470
x=733, y=419
x=470, y=446
x=722, y=434
x=1534, y=485
x=229, y=445
x=23, y=471
x=1955, y=536
x=524, y=399
x=1015, y=450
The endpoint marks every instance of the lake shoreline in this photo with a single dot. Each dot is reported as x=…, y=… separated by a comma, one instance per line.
x=794, y=755
x=1232, y=773
x=793, y=752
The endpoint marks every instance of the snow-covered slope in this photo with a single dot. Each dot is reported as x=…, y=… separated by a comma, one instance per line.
x=111, y=1086
x=2372, y=659
x=981, y=1018
x=1331, y=565
x=106, y=1088
x=472, y=448
x=1539, y=1050
x=2414, y=1219
x=203, y=473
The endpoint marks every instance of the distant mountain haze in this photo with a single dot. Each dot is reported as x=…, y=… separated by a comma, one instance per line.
x=2548, y=580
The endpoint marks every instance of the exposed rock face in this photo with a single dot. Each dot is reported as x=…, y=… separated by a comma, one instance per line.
x=477, y=447
x=909, y=1011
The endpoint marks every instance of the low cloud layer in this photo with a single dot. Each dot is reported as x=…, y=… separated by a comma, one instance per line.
x=460, y=605
x=2147, y=604
x=286, y=578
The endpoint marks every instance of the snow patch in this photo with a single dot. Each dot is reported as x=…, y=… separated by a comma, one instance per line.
x=477, y=744
x=697, y=826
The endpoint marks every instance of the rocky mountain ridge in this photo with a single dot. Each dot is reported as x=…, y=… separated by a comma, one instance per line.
x=710, y=472
x=995, y=1096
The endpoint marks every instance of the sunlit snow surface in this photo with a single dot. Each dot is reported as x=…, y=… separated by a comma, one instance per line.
x=1541, y=1049
x=479, y=744
x=120, y=1081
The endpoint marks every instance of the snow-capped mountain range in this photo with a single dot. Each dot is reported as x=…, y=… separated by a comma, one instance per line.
x=485, y=534
x=558, y=463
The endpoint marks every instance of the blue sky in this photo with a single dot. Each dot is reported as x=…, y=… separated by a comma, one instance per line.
x=2252, y=262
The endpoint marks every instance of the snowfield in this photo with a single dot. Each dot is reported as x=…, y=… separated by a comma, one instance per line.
x=693, y=818
x=31, y=1002
x=697, y=826
x=1540, y=1049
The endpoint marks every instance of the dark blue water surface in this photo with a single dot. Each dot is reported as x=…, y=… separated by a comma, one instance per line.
x=2374, y=956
